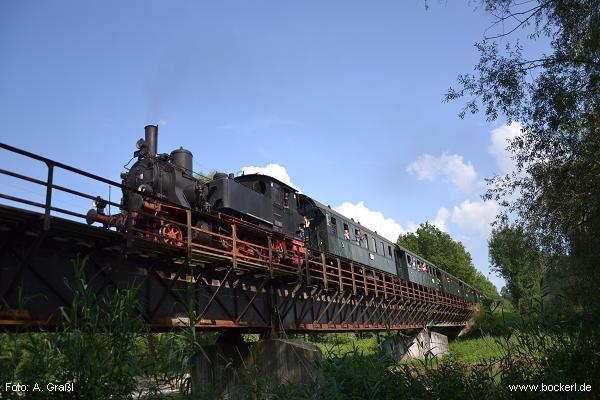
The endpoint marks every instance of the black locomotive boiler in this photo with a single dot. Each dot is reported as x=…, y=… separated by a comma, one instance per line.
x=160, y=192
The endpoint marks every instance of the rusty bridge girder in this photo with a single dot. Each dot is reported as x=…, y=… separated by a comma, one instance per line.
x=36, y=274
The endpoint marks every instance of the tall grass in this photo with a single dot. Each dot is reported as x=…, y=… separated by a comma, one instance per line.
x=102, y=346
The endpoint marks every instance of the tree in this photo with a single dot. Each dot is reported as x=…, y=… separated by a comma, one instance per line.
x=514, y=256
x=438, y=247
x=485, y=286
x=205, y=178
x=506, y=295
x=555, y=192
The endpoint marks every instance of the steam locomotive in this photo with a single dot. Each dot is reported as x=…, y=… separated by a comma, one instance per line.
x=164, y=185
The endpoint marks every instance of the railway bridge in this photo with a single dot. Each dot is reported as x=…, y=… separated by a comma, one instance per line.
x=180, y=282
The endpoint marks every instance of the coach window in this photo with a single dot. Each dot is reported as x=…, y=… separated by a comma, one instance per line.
x=367, y=241
x=346, y=232
x=374, y=245
x=390, y=251
x=382, y=248
x=333, y=226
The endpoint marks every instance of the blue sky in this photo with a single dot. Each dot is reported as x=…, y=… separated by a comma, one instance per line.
x=345, y=96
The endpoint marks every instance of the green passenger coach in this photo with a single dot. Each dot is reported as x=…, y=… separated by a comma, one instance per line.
x=332, y=232
x=419, y=270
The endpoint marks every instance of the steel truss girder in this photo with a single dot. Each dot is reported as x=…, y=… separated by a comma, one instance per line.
x=167, y=281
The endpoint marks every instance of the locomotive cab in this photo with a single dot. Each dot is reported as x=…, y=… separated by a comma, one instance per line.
x=259, y=198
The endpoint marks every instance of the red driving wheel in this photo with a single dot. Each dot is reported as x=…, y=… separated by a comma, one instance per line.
x=172, y=235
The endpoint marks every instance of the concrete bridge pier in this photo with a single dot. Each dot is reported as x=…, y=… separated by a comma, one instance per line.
x=215, y=368
x=237, y=369
x=425, y=344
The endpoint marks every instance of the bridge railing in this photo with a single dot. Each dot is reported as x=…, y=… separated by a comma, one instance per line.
x=49, y=185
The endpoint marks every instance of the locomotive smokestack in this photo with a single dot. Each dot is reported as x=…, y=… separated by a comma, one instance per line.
x=152, y=139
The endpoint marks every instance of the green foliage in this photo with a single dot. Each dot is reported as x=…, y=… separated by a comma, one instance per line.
x=438, y=247
x=476, y=349
x=335, y=348
x=481, y=368
x=485, y=287
x=522, y=349
x=96, y=348
x=514, y=256
x=555, y=191
x=205, y=178
x=102, y=346
x=494, y=318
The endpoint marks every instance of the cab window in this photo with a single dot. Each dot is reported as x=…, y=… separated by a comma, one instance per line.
x=277, y=196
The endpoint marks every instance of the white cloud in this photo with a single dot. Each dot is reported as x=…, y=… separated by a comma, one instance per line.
x=448, y=166
x=386, y=227
x=501, y=138
x=440, y=218
x=275, y=170
x=412, y=227
x=439, y=221
x=475, y=215
x=373, y=220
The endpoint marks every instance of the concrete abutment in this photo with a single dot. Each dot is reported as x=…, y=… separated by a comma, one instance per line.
x=424, y=344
